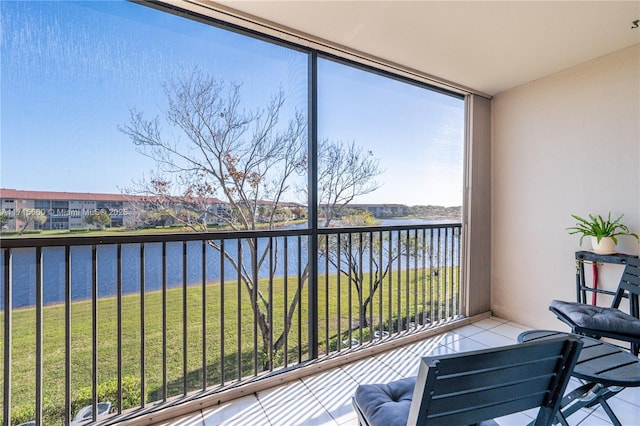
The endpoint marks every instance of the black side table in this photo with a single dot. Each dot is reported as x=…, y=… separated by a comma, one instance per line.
x=606, y=368
x=588, y=256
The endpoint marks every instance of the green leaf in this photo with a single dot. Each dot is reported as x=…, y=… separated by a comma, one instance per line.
x=599, y=227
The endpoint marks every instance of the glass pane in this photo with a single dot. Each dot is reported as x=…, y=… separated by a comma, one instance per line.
x=117, y=116
x=113, y=100
x=387, y=147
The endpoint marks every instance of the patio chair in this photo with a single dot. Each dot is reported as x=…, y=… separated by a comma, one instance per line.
x=598, y=321
x=475, y=387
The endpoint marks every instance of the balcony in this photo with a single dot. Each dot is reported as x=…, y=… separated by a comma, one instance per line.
x=159, y=324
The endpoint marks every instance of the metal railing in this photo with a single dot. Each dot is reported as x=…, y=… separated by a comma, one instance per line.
x=136, y=320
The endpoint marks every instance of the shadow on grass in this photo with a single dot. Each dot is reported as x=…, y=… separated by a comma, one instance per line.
x=231, y=372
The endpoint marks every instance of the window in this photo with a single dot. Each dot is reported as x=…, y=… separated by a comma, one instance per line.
x=411, y=136
x=85, y=70
x=409, y=142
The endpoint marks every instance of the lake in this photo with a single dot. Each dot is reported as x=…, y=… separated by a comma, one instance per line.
x=53, y=267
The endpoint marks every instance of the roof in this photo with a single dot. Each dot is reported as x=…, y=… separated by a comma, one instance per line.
x=74, y=196
x=18, y=194
x=61, y=196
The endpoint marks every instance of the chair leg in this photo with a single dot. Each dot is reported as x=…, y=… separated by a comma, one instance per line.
x=562, y=419
x=609, y=412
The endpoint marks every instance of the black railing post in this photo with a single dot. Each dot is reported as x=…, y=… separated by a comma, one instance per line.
x=164, y=321
x=119, y=322
x=239, y=315
x=222, y=315
x=286, y=298
x=185, y=313
x=326, y=297
x=8, y=330
x=338, y=290
x=39, y=334
x=143, y=383
x=270, y=310
x=67, y=334
x=299, y=289
x=94, y=331
x=203, y=253
x=254, y=304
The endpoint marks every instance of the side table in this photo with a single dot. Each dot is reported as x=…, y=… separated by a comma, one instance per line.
x=607, y=370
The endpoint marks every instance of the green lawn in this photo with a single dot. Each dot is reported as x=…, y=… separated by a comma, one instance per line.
x=221, y=359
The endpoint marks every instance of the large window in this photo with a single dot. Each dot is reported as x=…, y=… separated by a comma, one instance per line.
x=115, y=97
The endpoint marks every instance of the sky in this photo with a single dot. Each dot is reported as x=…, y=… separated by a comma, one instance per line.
x=71, y=72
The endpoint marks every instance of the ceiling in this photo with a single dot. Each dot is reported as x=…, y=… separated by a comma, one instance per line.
x=488, y=46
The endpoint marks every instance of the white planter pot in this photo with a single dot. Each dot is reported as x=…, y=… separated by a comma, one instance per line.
x=605, y=246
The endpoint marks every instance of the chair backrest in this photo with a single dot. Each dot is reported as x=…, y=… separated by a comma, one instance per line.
x=629, y=286
x=471, y=387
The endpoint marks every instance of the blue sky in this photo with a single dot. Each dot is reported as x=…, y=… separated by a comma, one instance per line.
x=71, y=71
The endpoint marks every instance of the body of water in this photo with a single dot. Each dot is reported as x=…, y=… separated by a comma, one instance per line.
x=176, y=272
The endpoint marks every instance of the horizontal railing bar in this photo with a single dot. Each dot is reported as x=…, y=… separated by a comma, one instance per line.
x=368, y=229
x=53, y=241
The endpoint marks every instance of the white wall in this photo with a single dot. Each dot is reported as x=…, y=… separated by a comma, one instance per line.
x=568, y=143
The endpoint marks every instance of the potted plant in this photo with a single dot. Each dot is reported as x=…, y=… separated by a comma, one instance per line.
x=603, y=232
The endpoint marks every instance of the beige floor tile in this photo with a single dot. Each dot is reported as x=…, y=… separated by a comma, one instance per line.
x=242, y=411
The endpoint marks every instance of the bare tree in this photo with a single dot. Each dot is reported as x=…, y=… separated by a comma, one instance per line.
x=366, y=260
x=215, y=148
x=345, y=172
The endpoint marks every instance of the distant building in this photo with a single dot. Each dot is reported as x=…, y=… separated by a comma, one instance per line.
x=383, y=210
x=69, y=210
x=63, y=210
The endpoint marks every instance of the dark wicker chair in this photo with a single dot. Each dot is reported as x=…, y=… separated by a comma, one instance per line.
x=475, y=387
x=598, y=321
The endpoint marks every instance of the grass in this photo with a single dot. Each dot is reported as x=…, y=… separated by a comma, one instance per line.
x=229, y=318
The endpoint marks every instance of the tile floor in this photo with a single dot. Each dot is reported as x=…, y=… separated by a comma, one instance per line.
x=325, y=399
